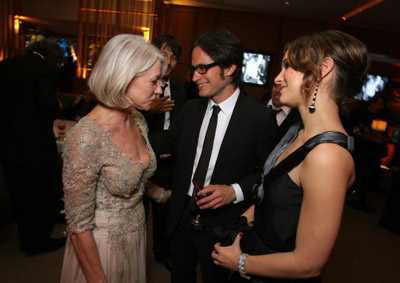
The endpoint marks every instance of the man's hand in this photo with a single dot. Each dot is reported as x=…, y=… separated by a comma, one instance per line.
x=161, y=105
x=217, y=196
x=78, y=98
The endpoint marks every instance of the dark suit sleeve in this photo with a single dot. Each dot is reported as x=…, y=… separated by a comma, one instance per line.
x=178, y=94
x=266, y=143
x=271, y=136
x=166, y=141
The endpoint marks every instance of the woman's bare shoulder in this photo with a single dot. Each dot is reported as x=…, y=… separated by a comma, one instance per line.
x=328, y=161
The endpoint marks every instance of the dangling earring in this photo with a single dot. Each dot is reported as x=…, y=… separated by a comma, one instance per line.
x=311, y=108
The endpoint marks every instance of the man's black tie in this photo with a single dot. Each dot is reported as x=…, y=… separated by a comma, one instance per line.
x=275, y=111
x=202, y=166
x=199, y=177
x=163, y=87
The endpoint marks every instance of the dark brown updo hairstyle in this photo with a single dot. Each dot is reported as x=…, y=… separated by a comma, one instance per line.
x=306, y=53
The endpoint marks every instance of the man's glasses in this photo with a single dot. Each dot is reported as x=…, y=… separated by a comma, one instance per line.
x=202, y=68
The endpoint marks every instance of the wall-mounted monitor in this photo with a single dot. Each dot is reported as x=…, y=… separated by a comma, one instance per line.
x=376, y=83
x=256, y=67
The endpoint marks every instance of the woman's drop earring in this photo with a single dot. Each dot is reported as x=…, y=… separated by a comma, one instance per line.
x=311, y=108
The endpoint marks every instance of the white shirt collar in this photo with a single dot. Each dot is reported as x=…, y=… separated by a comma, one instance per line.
x=284, y=108
x=227, y=105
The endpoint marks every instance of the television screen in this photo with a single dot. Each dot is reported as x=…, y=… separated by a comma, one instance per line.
x=375, y=83
x=255, y=68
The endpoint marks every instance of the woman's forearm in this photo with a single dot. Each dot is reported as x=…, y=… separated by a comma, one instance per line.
x=249, y=214
x=282, y=265
x=88, y=256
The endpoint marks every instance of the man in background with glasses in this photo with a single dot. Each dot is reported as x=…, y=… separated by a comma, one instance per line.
x=239, y=147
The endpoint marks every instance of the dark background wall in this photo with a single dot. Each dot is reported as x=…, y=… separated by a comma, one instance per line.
x=261, y=32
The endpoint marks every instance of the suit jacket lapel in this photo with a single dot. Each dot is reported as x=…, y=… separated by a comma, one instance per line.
x=192, y=133
x=233, y=132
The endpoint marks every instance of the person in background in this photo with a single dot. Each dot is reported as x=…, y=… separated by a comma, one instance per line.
x=107, y=161
x=81, y=106
x=367, y=154
x=298, y=210
x=285, y=116
x=28, y=150
x=227, y=174
x=163, y=112
x=391, y=218
x=360, y=119
x=67, y=75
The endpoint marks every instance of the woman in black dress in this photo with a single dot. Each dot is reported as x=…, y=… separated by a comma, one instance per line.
x=298, y=212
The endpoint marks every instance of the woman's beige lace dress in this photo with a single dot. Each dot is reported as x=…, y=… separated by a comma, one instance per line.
x=103, y=192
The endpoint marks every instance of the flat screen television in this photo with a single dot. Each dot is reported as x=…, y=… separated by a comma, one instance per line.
x=376, y=83
x=256, y=67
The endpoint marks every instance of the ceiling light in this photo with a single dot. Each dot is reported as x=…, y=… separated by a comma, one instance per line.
x=361, y=9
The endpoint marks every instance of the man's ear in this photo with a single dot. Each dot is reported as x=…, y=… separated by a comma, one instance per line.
x=230, y=70
x=326, y=67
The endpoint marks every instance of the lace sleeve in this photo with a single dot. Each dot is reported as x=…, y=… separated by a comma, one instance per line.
x=80, y=171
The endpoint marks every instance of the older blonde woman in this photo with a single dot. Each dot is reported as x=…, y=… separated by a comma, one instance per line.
x=107, y=160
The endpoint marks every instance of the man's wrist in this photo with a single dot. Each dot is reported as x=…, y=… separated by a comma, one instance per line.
x=238, y=192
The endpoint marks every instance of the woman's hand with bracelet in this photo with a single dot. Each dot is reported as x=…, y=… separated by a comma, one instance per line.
x=164, y=196
x=228, y=257
x=157, y=193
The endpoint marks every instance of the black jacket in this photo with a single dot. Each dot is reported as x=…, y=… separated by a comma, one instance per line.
x=27, y=110
x=243, y=151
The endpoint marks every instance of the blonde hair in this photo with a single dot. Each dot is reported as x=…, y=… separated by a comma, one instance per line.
x=124, y=57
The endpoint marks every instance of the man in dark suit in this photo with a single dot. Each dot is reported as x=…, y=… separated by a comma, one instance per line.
x=239, y=149
x=163, y=112
x=28, y=150
x=285, y=116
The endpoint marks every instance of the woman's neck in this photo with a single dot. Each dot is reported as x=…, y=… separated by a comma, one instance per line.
x=325, y=118
x=112, y=117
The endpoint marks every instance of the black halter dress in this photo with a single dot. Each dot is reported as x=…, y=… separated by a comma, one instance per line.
x=277, y=214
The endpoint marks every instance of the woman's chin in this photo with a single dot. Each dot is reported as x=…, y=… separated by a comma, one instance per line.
x=142, y=107
x=145, y=108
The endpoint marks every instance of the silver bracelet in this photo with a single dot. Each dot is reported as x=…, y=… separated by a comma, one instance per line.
x=162, y=195
x=242, y=259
